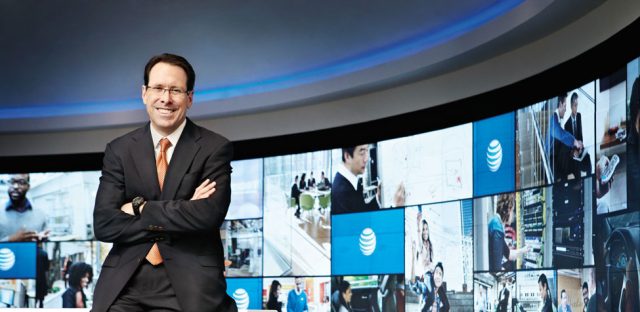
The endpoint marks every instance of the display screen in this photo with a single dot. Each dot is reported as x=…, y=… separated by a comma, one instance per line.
x=536, y=209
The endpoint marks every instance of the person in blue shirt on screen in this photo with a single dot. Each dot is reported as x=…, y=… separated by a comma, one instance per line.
x=498, y=248
x=432, y=290
x=559, y=142
x=297, y=299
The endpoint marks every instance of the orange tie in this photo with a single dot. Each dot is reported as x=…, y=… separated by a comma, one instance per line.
x=154, y=256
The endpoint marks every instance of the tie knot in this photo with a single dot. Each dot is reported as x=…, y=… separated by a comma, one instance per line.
x=164, y=144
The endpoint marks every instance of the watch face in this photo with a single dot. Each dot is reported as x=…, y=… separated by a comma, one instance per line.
x=136, y=202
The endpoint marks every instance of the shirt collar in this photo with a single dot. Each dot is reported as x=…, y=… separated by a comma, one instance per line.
x=173, y=137
x=347, y=174
x=27, y=205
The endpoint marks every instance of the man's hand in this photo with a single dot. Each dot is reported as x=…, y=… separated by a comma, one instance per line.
x=400, y=195
x=206, y=189
x=23, y=235
x=42, y=236
x=128, y=208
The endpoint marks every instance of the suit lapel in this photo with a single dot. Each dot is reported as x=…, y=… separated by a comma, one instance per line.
x=181, y=160
x=144, y=157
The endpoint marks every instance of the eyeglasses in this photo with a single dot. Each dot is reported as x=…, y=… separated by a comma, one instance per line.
x=159, y=91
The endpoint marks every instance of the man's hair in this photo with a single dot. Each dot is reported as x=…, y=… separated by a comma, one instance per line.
x=574, y=97
x=77, y=271
x=562, y=292
x=585, y=286
x=175, y=60
x=561, y=98
x=24, y=174
x=348, y=150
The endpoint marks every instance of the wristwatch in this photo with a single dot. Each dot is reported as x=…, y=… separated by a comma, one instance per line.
x=136, y=203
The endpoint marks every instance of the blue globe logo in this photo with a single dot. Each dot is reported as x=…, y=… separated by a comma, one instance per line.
x=494, y=155
x=242, y=298
x=367, y=242
x=7, y=259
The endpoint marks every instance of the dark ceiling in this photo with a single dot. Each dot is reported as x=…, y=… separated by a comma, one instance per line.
x=78, y=64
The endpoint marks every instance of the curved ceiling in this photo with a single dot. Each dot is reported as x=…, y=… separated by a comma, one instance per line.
x=78, y=64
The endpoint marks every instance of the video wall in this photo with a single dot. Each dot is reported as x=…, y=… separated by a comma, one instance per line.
x=533, y=210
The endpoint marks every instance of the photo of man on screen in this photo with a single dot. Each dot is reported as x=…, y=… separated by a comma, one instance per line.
x=19, y=221
x=347, y=190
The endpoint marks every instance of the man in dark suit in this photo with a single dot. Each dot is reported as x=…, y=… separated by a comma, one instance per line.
x=503, y=298
x=347, y=193
x=574, y=126
x=163, y=194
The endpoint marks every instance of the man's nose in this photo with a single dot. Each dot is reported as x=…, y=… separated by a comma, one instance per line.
x=166, y=96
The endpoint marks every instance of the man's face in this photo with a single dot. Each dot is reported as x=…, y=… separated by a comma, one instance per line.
x=574, y=107
x=585, y=295
x=167, y=111
x=358, y=162
x=562, y=108
x=564, y=298
x=299, y=284
x=18, y=187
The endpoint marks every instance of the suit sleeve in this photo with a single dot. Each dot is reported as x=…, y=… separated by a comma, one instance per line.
x=109, y=222
x=560, y=134
x=202, y=215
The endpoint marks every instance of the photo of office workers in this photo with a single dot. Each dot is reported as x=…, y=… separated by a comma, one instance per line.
x=427, y=168
x=368, y=242
x=296, y=294
x=17, y=293
x=618, y=252
x=573, y=289
x=246, y=183
x=536, y=291
x=611, y=150
x=368, y=293
x=247, y=292
x=633, y=133
x=494, y=292
x=494, y=155
x=572, y=223
x=438, y=240
x=48, y=206
x=498, y=231
x=71, y=269
x=555, y=139
x=297, y=222
x=242, y=245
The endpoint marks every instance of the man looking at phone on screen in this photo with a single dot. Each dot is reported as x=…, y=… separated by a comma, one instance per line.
x=163, y=194
x=20, y=222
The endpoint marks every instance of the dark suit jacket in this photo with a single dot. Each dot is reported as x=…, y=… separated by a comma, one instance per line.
x=346, y=199
x=568, y=126
x=187, y=232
